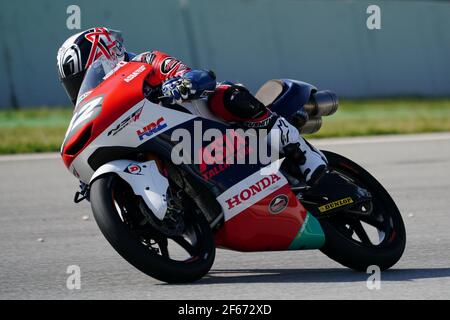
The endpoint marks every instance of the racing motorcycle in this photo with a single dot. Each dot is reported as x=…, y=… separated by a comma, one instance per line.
x=167, y=219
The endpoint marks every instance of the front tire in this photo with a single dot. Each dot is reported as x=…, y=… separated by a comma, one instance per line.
x=117, y=213
x=358, y=252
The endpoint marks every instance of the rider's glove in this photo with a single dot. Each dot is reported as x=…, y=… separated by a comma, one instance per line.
x=192, y=85
x=170, y=90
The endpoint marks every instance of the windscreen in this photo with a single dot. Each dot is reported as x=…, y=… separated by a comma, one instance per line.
x=98, y=72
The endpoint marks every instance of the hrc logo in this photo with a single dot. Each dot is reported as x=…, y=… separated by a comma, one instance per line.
x=151, y=129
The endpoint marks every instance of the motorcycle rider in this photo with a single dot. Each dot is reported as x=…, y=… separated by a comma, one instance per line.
x=177, y=83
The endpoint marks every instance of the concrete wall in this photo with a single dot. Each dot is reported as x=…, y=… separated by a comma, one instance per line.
x=323, y=42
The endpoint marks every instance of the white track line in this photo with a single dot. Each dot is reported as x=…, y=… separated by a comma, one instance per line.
x=316, y=142
x=27, y=157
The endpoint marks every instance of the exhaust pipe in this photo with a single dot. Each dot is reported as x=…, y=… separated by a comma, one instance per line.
x=322, y=103
x=311, y=126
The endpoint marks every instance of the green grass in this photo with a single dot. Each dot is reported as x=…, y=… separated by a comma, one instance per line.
x=33, y=130
x=42, y=129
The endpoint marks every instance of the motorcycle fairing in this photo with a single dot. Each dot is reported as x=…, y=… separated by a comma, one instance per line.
x=255, y=229
x=222, y=175
x=162, y=144
x=310, y=235
x=250, y=225
x=83, y=114
x=119, y=97
x=127, y=139
x=249, y=191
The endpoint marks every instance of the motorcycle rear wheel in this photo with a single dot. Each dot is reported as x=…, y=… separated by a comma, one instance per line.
x=118, y=215
x=346, y=239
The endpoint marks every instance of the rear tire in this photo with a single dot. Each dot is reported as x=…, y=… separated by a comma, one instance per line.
x=130, y=246
x=359, y=255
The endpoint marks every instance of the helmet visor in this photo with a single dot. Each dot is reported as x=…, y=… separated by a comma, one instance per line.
x=72, y=85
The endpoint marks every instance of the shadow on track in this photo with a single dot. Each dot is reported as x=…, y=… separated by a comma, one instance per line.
x=333, y=275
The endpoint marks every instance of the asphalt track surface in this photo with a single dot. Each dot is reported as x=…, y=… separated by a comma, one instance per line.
x=42, y=232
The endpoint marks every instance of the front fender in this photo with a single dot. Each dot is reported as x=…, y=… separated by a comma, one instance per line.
x=145, y=180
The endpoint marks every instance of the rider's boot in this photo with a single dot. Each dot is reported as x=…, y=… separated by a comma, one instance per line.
x=311, y=161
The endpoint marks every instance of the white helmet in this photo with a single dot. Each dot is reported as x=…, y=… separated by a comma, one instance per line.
x=78, y=53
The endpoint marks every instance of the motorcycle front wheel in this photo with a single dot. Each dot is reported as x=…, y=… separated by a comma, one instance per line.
x=375, y=236
x=178, y=249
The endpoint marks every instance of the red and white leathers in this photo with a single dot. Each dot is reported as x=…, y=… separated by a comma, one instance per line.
x=164, y=67
x=235, y=104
